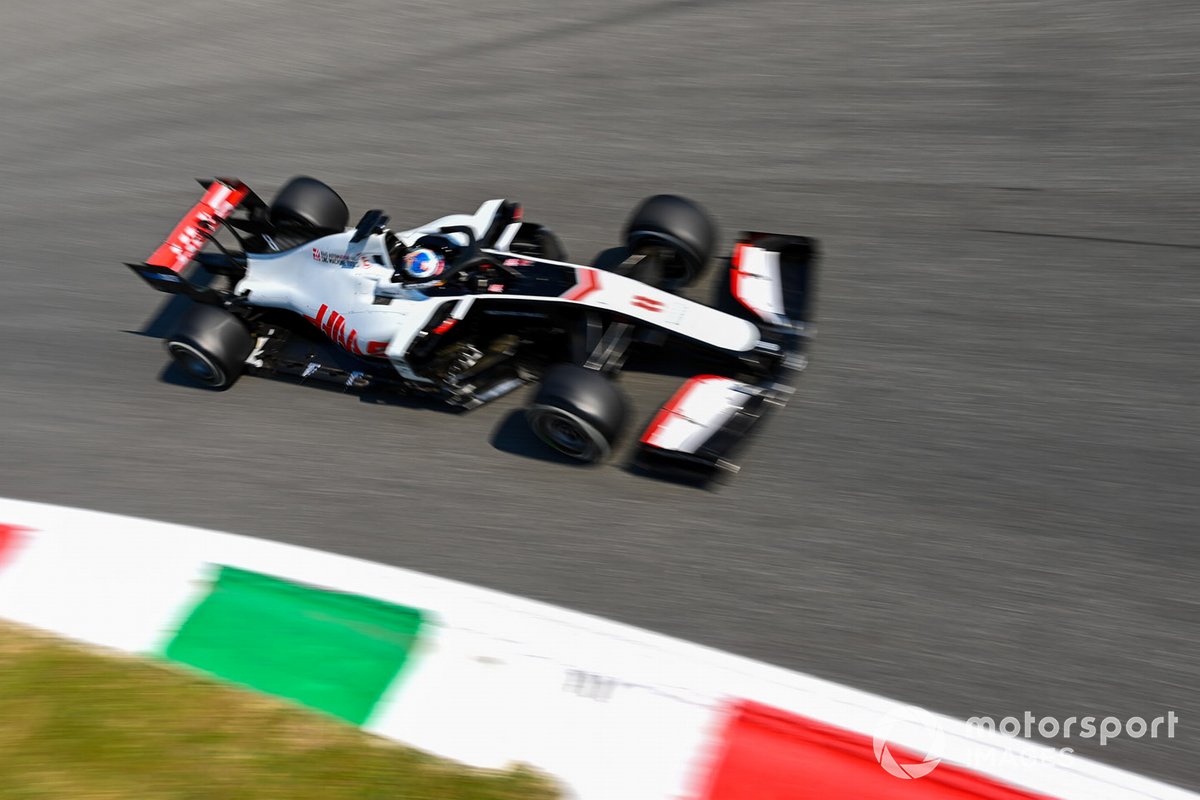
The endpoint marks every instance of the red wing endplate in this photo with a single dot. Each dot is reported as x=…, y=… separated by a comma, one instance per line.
x=189, y=235
x=163, y=268
x=772, y=276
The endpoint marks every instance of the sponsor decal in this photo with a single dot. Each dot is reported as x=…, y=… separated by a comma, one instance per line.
x=516, y=262
x=334, y=326
x=341, y=259
x=169, y=277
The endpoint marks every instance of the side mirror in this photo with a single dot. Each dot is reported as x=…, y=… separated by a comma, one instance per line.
x=372, y=222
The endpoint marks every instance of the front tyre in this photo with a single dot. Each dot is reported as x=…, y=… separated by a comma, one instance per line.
x=538, y=241
x=578, y=412
x=211, y=346
x=677, y=232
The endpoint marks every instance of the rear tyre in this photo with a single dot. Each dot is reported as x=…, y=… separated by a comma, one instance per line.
x=678, y=232
x=211, y=347
x=307, y=204
x=578, y=412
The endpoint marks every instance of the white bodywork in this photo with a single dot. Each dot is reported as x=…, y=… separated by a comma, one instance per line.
x=334, y=284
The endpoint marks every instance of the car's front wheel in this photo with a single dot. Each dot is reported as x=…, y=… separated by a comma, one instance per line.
x=578, y=412
x=538, y=241
x=211, y=346
x=676, y=235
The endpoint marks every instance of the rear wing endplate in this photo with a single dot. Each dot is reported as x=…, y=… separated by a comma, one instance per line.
x=164, y=268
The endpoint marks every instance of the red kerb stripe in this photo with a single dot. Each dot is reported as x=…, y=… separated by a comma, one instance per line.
x=767, y=752
x=10, y=540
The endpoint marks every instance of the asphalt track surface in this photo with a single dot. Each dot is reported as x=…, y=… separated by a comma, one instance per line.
x=984, y=499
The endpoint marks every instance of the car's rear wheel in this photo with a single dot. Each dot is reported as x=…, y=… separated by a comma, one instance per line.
x=676, y=232
x=578, y=412
x=308, y=205
x=211, y=346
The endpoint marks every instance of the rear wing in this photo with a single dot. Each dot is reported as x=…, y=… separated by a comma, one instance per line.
x=164, y=268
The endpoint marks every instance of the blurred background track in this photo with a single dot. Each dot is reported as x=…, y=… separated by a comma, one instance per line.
x=983, y=500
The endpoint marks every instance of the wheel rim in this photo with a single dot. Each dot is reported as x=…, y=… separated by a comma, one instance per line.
x=196, y=364
x=567, y=435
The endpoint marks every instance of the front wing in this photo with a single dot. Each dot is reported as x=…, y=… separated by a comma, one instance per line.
x=698, y=432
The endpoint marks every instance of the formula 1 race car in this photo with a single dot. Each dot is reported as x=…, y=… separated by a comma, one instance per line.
x=470, y=307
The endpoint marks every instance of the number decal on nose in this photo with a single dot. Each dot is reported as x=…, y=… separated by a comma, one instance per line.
x=648, y=303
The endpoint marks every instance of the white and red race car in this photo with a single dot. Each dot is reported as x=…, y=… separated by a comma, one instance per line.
x=472, y=306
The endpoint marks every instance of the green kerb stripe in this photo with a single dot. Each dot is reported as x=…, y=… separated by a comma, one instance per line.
x=335, y=652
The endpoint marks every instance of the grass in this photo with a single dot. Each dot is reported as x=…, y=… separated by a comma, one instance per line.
x=80, y=724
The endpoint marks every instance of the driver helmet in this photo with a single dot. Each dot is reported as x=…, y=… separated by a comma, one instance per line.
x=423, y=264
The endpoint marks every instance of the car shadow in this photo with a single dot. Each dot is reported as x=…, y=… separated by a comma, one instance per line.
x=708, y=483
x=165, y=319
x=379, y=397
x=174, y=375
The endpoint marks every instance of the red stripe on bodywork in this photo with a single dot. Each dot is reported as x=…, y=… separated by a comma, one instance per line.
x=10, y=540
x=187, y=238
x=589, y=281
x=337, y=327
x=445, y=326
x=319, y=317
x=767, y=752
x=735, y=279
x=664, y=414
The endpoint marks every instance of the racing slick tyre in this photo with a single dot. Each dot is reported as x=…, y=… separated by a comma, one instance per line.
x=307, y=204
x=680, y=232
x=211, y=346
x=538, y=241
x=578, y=412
